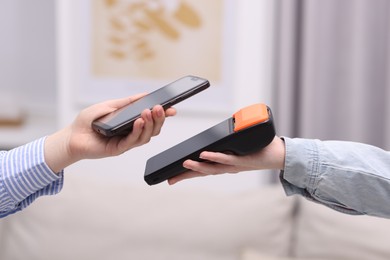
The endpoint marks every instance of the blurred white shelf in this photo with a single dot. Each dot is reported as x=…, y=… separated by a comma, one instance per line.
x=34, y=127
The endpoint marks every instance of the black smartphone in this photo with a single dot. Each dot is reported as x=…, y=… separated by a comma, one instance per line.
x=120, y=122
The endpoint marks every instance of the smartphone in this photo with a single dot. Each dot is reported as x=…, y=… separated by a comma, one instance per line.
x=120, y=122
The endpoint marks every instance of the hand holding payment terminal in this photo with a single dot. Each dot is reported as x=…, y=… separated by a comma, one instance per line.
x=249, y=130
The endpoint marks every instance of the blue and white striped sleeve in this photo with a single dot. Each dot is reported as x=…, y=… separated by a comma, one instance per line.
x=25, y=176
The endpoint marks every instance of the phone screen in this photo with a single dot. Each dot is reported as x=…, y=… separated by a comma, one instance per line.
x=165, y=96
x=134, y=109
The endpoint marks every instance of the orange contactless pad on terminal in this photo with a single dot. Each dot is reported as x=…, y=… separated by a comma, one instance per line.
x=250, y=116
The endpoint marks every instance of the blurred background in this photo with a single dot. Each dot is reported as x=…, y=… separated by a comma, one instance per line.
x=61, y=56
x=322, y=66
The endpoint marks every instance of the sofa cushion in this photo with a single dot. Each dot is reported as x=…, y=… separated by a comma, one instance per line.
x=251, y=254
x=107, y=219
x=323, y=233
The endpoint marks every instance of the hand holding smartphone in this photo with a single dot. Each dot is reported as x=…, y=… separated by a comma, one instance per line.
x=120, y=122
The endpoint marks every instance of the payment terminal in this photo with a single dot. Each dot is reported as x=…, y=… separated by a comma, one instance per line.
x=248, y=130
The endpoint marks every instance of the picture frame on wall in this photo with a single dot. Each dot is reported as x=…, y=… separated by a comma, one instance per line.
x=133, y=46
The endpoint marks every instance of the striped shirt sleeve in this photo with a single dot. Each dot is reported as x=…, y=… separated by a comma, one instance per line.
x=25, y=176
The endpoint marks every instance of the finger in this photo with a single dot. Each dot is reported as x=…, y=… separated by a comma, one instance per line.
x=103, y=108
x=185, y=176
x=132, y=139
x=147, y=131
x=221, y=158
x=137, y=96
x=170, y=112
x=121, y=102
x=158, y=118
x=208, y=168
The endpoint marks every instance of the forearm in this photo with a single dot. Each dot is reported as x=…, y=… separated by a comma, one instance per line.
x=350, y=177
x=24, y=176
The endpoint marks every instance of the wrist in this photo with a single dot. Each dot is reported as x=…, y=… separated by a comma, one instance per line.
x=57, y=152
x=276, y=154
x=281, y=153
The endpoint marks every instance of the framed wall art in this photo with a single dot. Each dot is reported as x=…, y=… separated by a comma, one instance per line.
x=133, y=46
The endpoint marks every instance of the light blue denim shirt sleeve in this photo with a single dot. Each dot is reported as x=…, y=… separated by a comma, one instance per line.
x=25, y=176
x=350, y=177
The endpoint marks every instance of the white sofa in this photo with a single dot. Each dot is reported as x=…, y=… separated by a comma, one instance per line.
x=102, y=219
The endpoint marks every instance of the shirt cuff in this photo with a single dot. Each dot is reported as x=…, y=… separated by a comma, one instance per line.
x=26, y=176
x=301, y=165
x=301, y=174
